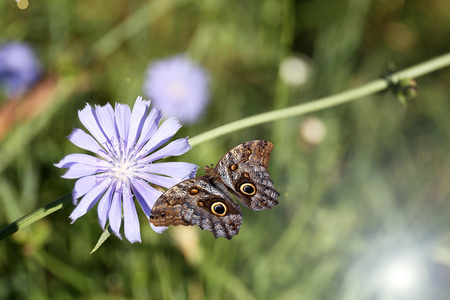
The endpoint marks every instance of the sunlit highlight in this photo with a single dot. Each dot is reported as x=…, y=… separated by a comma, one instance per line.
x=402, y=275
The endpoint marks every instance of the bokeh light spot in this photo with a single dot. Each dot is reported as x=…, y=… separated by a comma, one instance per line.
x=402, y=275
x=294, y=70
x=313, y=130
x=22, y=4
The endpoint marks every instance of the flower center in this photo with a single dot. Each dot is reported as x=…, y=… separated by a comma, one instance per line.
x=123, y=171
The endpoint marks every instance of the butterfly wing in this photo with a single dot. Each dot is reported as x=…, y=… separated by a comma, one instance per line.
x=244, y=171
x=198, y=201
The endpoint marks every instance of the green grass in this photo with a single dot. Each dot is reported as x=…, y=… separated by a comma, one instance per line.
x=378, y=183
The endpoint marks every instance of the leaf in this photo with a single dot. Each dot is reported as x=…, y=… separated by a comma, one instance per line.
x=105, y=235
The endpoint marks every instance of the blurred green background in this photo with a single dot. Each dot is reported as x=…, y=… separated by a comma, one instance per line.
x=364, y=210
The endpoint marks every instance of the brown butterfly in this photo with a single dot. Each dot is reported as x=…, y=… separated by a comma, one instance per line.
x=205, y=201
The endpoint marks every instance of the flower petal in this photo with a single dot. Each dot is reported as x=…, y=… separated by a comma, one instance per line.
x=82, y=186
x=85, y=159
x=123, y=114
x=80, y=170
x=115, y=214
x=164, y=133
x=130, y=218
x=83, y=140
x=89, y=200
x=145, y=194
x=158, y=229
x=88, y=118
x=137, y=119
x=163, y=181
x=106, y=121
x=103, y=207
x=175, y=148
x=150, y=126
x=178, y=170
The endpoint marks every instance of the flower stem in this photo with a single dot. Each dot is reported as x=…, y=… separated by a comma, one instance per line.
x=370, y=88
x=327, y=102
x=35, y=216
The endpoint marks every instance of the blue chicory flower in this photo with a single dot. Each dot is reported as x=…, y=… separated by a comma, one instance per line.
x=179, y=87
x=19, y=68
x=125, y=143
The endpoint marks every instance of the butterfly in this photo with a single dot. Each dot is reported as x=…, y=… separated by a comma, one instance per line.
x=205, y=201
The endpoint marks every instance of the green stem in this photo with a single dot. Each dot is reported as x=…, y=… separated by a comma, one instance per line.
x=423, y=68
x=327, y=102
x=370, y=88
x=35, y=216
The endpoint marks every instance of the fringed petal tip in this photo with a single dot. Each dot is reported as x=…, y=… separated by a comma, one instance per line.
x=108, y=228
x=158, y=229
x=141, y=101
x=74, y=197
x=140, y=98
x=192, y=174
x=177, y=121
x=75, y=215
x=111, y=231
x=72, y=133
x=189, y=147
x=85, y=109
x=61, y=163
x=116, y=233
x=72, y=219
x=135, y=241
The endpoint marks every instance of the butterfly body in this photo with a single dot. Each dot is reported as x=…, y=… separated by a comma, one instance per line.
x=205, y=201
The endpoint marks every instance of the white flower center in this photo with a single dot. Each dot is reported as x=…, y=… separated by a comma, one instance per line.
x=123, y=170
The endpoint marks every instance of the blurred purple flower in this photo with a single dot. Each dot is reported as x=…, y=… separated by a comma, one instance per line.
x=19, y=68
x=179, y=87
x=125, y=143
